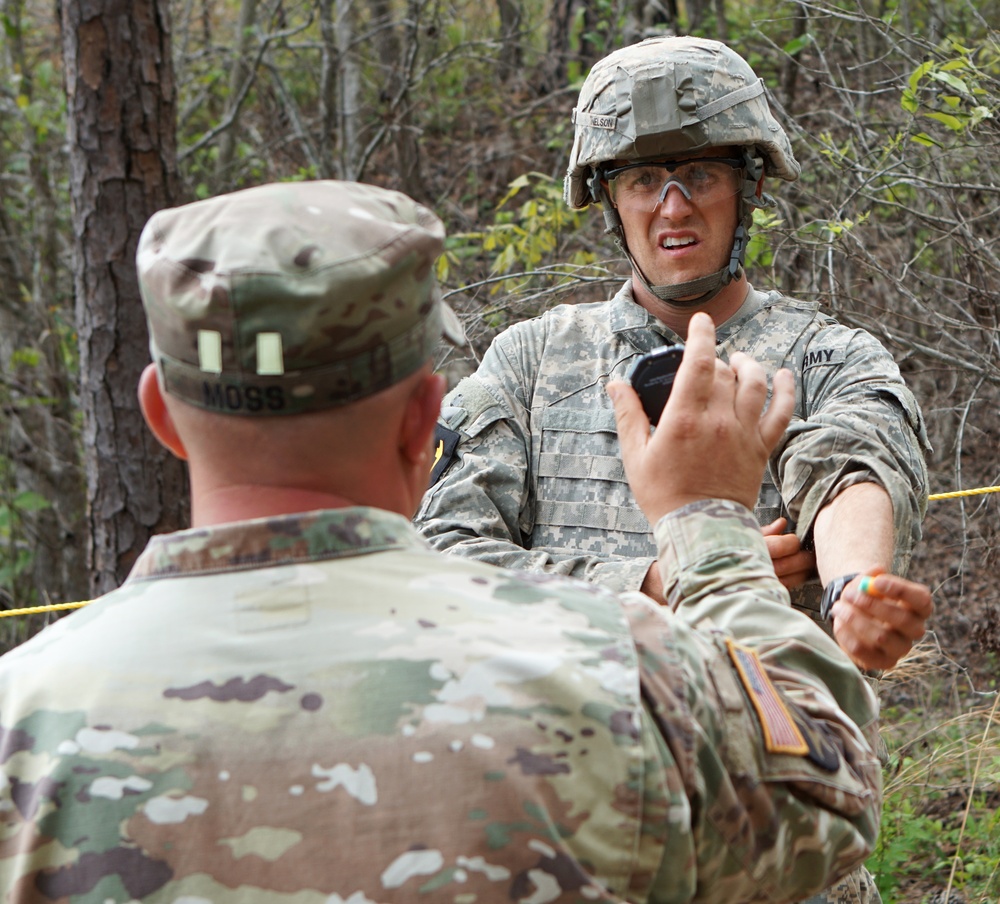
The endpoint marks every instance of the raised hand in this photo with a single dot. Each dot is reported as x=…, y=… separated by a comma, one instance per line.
x=714, y=436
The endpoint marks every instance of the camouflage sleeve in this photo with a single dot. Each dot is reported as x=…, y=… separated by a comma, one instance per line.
x=861, y=425
x=784, y=786
x=482, y=506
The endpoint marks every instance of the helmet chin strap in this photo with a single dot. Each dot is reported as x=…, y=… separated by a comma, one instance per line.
x=694, y=292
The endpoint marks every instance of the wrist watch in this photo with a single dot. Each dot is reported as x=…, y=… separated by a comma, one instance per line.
x=832, y=591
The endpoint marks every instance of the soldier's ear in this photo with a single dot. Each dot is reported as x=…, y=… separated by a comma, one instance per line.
x=157, y=415
x=420, y=418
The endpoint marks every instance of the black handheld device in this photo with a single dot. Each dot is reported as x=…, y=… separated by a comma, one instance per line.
x=652, y=377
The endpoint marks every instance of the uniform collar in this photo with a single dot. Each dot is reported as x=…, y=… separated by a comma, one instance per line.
x=643, y=330
x=270, y=542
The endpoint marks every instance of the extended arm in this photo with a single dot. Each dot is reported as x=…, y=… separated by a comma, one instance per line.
x=778, y=714
x=854, y=535
x=860, y=426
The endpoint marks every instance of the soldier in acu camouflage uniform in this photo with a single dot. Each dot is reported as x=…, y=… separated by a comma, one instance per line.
x=298, y=701
x=673, y=138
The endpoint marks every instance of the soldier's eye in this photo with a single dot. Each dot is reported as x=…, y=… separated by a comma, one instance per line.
x=642, y=178
x=699, y=175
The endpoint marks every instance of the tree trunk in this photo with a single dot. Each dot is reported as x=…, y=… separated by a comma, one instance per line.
x=329, y=167
x=695, y=15
x=790, y=66
x=721, y=23
x=557, y=57
x=238, y=74
x=511, y=58
x=121, y=111
x=349, y=90
x=396, y=45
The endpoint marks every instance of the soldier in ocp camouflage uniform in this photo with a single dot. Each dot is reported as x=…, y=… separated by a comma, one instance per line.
x=297, y=701
x=673, y=137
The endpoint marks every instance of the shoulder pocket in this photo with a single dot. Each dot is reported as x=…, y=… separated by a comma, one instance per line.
x=471, y=407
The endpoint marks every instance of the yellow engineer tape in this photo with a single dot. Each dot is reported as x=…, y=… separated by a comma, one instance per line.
x=52, y=607
x=979, y=491
x=56, y=607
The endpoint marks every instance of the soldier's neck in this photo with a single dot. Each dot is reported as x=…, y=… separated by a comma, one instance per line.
x=720, y=308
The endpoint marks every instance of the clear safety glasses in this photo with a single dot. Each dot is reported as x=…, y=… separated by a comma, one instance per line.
x=702, y=180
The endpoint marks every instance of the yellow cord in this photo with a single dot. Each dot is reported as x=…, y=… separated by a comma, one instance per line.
x=979, y=491
x=53, y=607
x=56, y=607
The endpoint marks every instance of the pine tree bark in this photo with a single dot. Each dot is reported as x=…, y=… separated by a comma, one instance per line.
x=122, y=123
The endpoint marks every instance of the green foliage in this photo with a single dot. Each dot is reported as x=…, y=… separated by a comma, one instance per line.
x=797, y=45
x=15, y=552
x=952, y=92
x=759, y=252
x=524, y=237
x=933, y=833
x=836, y=229
x=37, y=344
x=906, y=838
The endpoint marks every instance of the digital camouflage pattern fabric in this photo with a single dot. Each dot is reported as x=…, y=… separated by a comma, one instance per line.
x=318, y=709
x=291, y=297
x=537, y=481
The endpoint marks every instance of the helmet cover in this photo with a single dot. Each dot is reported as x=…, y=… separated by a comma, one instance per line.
x=668, y=96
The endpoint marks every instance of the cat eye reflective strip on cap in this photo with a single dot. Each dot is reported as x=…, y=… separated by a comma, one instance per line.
x=292, y=297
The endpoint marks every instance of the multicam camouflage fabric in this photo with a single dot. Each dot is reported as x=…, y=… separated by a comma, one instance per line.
x=292, y=296
x=667, y=96
x=538, y=481
x=318, y=709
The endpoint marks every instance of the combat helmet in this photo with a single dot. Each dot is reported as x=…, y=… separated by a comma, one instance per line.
x=667, y=97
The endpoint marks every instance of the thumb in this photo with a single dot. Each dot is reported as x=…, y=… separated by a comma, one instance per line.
x=775, y=528
x=633, y=425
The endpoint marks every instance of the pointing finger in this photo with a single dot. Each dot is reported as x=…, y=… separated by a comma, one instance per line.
x=775, y=420
x=633, y=424
x=695, y=377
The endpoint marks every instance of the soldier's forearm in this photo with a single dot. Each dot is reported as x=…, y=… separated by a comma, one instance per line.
x=854, y=532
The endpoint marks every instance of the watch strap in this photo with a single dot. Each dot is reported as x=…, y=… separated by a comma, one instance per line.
x=832, y=591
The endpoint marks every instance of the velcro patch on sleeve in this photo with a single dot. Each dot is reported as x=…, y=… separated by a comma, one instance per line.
x=781, y=734
x=445, y=443
x=823, y=751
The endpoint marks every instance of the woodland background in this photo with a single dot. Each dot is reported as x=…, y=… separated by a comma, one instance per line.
x=111, y=109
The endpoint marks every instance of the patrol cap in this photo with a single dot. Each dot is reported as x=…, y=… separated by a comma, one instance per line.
x=293, y=296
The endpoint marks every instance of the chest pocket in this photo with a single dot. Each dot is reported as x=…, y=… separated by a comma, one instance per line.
x=583, y=501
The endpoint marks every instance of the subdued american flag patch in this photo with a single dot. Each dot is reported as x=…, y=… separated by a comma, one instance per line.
x=781, y=734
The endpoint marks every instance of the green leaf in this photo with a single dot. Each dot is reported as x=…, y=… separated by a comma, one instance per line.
x=29, y=501
x=951, y=81
x=918, y=74
x=978, y=114
x=796, y=44
x=952, y=122
x=925, y=139
x=26, y=357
